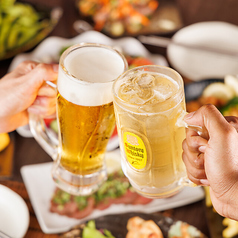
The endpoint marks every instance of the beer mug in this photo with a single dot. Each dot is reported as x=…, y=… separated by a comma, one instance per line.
x=85, y=117
x=149, y=105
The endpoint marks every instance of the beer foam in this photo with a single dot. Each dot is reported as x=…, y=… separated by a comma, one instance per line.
x=93, y=71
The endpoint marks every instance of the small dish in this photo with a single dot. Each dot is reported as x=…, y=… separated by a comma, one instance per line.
x=40, y=187
x=166, y=19
x=49, y=19
x=197, y=64
x=14, y=214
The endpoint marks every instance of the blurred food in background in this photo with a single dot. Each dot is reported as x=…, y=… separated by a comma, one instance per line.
x=22, y=26
x=116, y=190
x=4, y=141
x=118, y=17
x=224, y=95
x=220, y=227
x=6, y=155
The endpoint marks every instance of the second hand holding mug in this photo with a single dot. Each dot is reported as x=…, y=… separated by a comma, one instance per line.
x=149, y=106
x=85, y=117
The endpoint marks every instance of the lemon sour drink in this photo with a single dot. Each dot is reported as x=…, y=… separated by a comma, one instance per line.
x=149, y=102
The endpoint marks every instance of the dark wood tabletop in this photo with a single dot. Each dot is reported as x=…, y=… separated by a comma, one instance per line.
x=27, y=151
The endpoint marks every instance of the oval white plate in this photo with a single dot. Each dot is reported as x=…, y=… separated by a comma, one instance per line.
x=14, y=214
x=197, y=65
x=37, y=176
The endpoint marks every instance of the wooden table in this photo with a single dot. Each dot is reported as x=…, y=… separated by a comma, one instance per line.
x=27, y=151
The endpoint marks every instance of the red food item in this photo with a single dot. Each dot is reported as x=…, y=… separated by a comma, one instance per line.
x=127, y=198
x=142, y=200
x=106, y=203
x=114, y=132
x=71, y=208
x=48, y=121
x=140, y=61
x=86, y=211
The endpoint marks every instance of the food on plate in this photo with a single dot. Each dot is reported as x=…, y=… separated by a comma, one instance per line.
x=4, y=140
x=231, y=108
x=221, y=91
x=19, y=24
x=116, y=190
x=231, y=229
x=90, y=231
x=135, y=61
x=140, y=228
x=118, y=17
x=208, y=200
x=181, y=230
x=223, y=95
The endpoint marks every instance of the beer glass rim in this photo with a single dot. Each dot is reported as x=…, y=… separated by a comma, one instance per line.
x=84, y=44
x=178, y=76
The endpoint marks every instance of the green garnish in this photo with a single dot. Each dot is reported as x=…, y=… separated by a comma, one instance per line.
x=90, y=231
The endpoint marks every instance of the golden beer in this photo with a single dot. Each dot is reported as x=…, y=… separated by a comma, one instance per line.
x=85, y=115
x=85, y=131
x=149, y=102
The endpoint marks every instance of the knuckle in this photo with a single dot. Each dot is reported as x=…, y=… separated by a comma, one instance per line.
x=199, y=162
x=198, y=173
x=27, y=64
x=193, y=143
x=41, y=68
x=209, y=107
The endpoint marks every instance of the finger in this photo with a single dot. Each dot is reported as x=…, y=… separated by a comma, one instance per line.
x=210, y=118
x=41, y=111
x=43, y=106
x=194, y=173
x=47, y=90
x=194, y=141
x=22, y=69
x=30, y=83
x=45, y=101
x=192, y=159
x=42, y=72
x=201, y=182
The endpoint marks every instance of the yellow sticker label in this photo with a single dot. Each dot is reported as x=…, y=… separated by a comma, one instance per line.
x=135, y=150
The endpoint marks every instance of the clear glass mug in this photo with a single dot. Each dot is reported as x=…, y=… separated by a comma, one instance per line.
x=149, y=105
x=85, y=117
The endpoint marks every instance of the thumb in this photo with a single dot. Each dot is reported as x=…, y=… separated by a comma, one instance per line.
x=209, y=118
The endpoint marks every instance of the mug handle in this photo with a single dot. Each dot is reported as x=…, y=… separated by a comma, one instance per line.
x=46, y=138
x=43, y=135
x=181, y=123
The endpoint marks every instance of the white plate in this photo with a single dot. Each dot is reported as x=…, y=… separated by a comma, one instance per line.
x=40, y=188
x=50, y=48
x=199, y=65
x=14, y=214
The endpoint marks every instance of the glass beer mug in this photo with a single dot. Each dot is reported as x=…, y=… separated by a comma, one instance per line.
x=85, y=117
x=149, y=105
